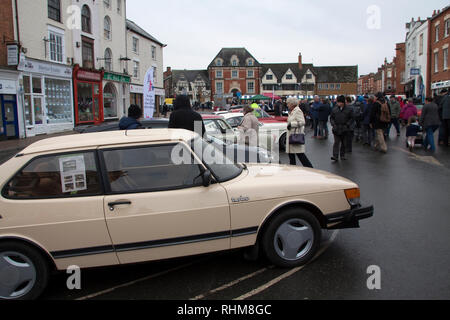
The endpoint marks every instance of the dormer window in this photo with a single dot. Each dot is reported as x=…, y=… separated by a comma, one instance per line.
x=289, y=77
x=219, y=63
x=250, y=62
x=234, y=63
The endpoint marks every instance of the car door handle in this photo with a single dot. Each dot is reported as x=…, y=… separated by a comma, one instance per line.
x=112, y=205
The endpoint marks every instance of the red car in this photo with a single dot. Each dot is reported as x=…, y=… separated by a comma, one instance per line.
x=264, y=117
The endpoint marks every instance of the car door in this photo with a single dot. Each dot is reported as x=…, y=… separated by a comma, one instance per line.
x=156, y=206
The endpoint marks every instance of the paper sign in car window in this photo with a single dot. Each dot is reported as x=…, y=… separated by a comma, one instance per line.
x=73, y=173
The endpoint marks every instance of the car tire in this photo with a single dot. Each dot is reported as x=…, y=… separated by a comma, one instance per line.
x=292, y=238
x=283, y=141
x=24, y=272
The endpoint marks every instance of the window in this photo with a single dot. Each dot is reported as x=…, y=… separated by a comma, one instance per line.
x=436, y=62
x=135, y=45
x=332, y=86
x=289, y=77
x=445, y=54
x=219, y=87
x=88, y=53
x=269, y=77
x=309, y=76
x=136, y=69
x=107, y=28
x=107, y=3
x=250, y=62
x=60, y=176
x=151, y=169
x=234, y=63
x=250, y=74
x=56, y=46
x=110, y=101
x=54, y=10
x=421, y=45
x=447, y=27
x=389, y=73
x=155, y=74
x=250, y=87
x=33, y=98
x=219, y=63
x=86, y=19
x=58, y=99
x=219, y=74
x=319, y=86
x=234, y=74
x=108, y=60
x=154, y=53
x=437, y=33
x=338, y=87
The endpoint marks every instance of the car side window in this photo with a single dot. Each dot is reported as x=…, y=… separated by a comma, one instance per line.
x=211, y=127
x=56, y=176
x=151, y=169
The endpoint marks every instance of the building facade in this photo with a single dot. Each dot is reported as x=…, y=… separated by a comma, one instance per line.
x=439, y=34
x=399, y=63
x=193, y=83
x=144, y=52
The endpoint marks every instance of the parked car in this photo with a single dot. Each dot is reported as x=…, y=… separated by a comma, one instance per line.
x=263, y=116
x=115, y=198
x=271, y=132
x=238, y=153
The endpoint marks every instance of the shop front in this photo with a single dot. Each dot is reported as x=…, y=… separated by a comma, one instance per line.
x=88, y=95
x=47, y=97
x=437, y=87
x=115, y=93
x=137, y=95
x=9, y=124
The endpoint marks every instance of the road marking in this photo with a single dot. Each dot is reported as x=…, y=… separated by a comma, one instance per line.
x=138, y=280
x=231, y=284
x=287, y=274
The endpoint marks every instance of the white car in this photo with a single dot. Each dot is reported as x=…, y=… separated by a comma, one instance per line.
x=271, y=132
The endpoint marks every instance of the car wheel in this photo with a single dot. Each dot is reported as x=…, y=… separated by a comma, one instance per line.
x=292, y=238
x=24, y=272
x=283, y=143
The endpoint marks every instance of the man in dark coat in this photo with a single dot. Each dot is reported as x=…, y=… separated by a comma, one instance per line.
x=341, y=120
x=184, y=117
x=379, y=126
x=132, y=121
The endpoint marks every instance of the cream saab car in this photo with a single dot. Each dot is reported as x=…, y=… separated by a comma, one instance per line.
x=114, y=198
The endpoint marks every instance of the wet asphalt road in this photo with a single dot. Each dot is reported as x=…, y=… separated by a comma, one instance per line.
x=408, y=238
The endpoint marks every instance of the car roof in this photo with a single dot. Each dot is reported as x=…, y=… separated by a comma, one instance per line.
x=232, y=115
x=211, y=117
x=89, y=140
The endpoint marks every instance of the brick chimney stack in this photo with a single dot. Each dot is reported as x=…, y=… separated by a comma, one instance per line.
x=300, y=63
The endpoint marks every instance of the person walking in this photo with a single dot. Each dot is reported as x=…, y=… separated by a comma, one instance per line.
x=184, y=117
x=249, y=128
x=315, y=107
x=412, y=131
x=358, y=111
x=380, y=120
x=409, y=111
x=323, y=116
x=445, y=105
x=351, y=133
x=430, y=122
x=341, y=120
x=132, y=121
x=296, y=126
x=395, y=115
x=368, y=133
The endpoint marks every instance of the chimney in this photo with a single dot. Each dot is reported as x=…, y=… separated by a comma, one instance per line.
x=418, y=19
x=300, y=63
x=434, y=13
x=169, y=69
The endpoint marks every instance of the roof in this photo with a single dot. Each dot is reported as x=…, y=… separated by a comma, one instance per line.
x=190, y=76
x=102, y=139
x=211, y=117
x=341, y=74
x=227, y=53
x=136, y=29
x=280, y=69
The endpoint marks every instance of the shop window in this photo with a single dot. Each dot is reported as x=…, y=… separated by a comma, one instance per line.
x=60, y=176
x=87, y=102
x=58, y=96
x=109, y=101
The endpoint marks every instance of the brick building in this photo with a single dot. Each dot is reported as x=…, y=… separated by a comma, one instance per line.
x=399, y=62
x=234, y=72
x=366, y=84
x=439, y=41
x=193, y=83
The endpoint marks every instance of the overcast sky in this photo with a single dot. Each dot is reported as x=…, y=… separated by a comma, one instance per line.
x=274, y=31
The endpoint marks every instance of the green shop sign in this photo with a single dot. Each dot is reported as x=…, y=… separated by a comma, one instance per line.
x=116, y=77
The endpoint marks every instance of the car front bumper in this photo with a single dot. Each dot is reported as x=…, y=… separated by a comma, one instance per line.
x=349, y=219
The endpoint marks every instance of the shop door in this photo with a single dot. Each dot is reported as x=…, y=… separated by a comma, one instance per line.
x=9, y=125
x=39, y=116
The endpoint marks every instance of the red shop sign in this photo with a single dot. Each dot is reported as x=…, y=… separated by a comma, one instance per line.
x=86, y=75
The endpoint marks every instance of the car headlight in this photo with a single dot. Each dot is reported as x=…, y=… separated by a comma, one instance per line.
x=353, y=196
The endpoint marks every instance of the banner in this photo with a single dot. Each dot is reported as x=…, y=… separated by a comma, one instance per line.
x=149, y=95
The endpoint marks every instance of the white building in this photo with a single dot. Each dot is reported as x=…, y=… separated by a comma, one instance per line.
x=416, y=58
x=144, y=52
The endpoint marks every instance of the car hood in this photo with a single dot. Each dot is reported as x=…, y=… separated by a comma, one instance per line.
x=263, y=182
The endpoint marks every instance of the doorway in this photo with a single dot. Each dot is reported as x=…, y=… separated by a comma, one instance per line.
x=9, y=126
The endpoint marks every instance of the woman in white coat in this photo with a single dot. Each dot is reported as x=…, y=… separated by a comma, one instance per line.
x=296, y=125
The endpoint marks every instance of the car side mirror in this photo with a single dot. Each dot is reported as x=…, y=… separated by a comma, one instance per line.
x=207, y=178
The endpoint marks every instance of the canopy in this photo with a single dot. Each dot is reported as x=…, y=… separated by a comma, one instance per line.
x=257, y=97
x=271, y=96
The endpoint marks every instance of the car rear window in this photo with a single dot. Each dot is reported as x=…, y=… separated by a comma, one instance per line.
x=56, y=176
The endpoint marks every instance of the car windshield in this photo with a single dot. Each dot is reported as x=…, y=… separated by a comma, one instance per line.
x=221, y=167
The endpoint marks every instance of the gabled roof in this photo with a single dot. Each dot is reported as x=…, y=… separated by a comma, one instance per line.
x=136, y=29
x=227, y=53
x=190, y=76
x=280, y=69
